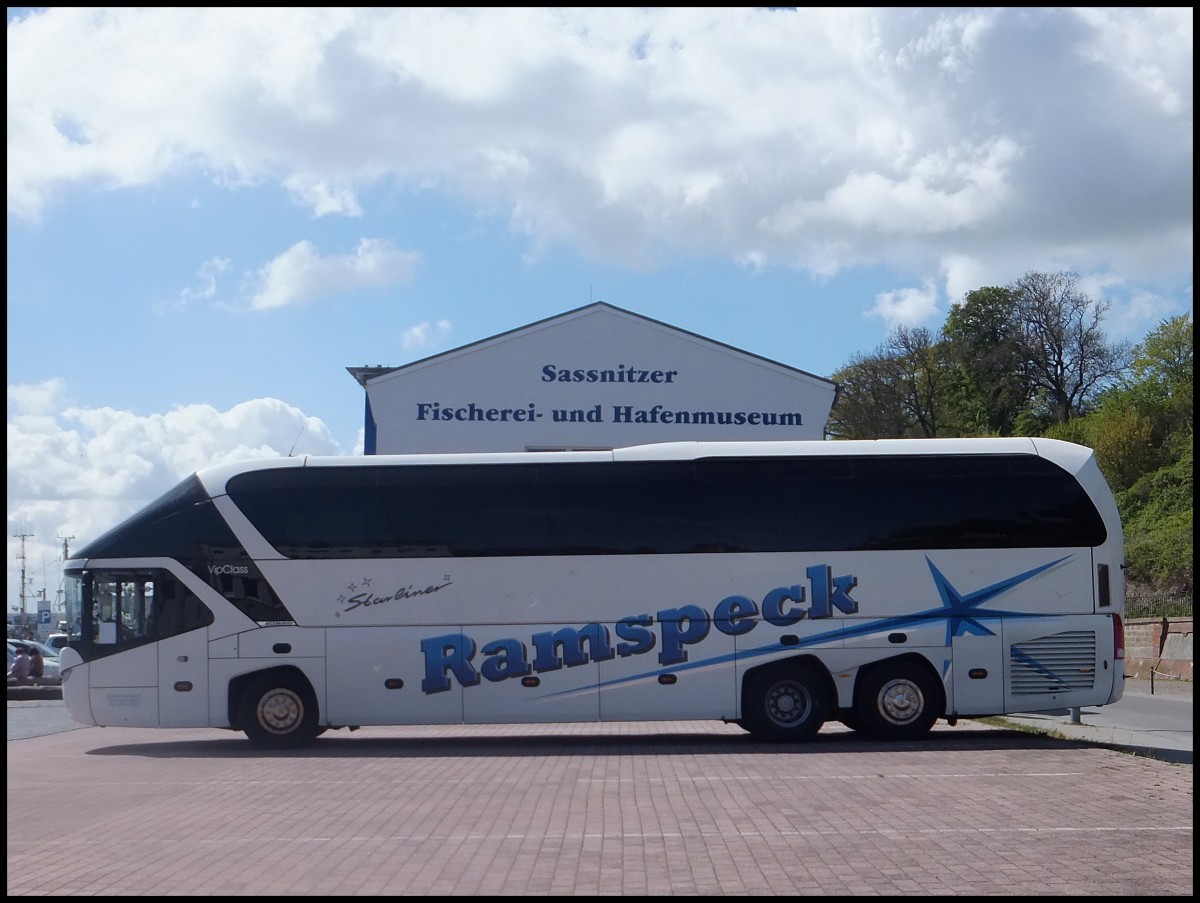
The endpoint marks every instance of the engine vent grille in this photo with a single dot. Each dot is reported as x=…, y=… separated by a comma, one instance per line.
x=1054, y=664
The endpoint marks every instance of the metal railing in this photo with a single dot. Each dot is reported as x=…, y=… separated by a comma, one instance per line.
x=1157, y=605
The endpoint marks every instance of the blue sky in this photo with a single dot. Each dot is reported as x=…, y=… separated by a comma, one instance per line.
x=213, y=212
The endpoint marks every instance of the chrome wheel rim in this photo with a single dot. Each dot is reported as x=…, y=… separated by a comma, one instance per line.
x=280, y=711
x=901, y=701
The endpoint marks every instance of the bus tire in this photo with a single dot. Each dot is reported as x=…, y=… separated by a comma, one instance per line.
x=784, y=703
x=898, y=701
x=278, y=711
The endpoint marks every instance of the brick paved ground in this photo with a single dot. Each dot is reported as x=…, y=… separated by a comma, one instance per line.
x=687, y=808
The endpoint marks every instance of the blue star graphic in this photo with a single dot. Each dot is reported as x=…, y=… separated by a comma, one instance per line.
x=962, y=616
x=962, y=612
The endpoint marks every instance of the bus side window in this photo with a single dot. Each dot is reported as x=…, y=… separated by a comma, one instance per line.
x=165, y=614
x=174, y=609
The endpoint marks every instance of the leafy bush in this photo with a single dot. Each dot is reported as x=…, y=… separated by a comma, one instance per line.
x=1157, y=515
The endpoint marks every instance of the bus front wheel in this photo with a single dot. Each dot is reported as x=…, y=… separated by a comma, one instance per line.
x=784, y=703
x=278, y=712
x=898, y=701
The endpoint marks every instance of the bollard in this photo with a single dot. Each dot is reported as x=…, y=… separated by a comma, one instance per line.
x=1075, y=715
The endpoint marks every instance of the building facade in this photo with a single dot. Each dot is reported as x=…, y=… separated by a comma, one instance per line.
x=596, y=377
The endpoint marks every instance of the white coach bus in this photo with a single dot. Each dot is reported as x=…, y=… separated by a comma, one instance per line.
x=778, y=585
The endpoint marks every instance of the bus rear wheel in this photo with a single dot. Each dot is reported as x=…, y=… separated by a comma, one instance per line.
x=784, y=703
x=278, y=712
x=898, y=701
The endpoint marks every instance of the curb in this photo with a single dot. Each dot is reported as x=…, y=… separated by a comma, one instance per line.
x=28, y=693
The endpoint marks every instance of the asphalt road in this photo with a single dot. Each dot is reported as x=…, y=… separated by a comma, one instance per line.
x=1148, y=720
x=36, y=715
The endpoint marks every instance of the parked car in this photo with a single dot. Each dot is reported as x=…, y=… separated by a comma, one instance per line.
x=57, y=641
x=51, y=674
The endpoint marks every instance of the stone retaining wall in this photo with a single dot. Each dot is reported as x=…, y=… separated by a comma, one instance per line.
x=1161, y=645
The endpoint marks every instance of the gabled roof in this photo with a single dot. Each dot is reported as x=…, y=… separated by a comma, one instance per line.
x=365, y=374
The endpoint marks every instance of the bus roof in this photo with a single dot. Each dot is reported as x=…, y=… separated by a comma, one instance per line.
x=1069, y=456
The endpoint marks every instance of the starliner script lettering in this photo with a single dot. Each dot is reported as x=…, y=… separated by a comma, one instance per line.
x=405, y=592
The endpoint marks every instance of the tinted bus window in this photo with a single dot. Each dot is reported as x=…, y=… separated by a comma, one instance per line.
x=184, y=525
x=670, y=507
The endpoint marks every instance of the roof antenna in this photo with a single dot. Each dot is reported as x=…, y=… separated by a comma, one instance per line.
x=297, y=439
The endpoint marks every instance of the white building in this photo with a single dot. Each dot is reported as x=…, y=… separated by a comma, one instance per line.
x=594, y=377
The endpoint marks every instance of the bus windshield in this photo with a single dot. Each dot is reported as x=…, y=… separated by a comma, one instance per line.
x=73, y=592
x=111, y=610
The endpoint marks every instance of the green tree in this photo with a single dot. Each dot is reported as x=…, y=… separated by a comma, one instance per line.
x=985, y=345
x=897, y=392
x=1164, y=359
x=922, y=378
x=1160, y=383
x=1157, y=513
x=868, y=402
x=1066, y=356
x=1123, y=440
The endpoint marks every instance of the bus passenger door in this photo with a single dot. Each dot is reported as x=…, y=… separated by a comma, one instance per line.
x=977, y=671
x=123, y=670
x=183, y=679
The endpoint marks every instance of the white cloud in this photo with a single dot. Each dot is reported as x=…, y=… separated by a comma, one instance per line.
x=300, y=274
x=323, y=197
x=32, y=400
x=1128, y=312
x=819, y=138
x=205, y=288
x=424, y=334
x=966, y=274
x=1147, y=48
x=906, y=306
x=78, y=471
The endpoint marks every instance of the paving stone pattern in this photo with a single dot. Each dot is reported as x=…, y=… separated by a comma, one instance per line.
x=663, y=808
